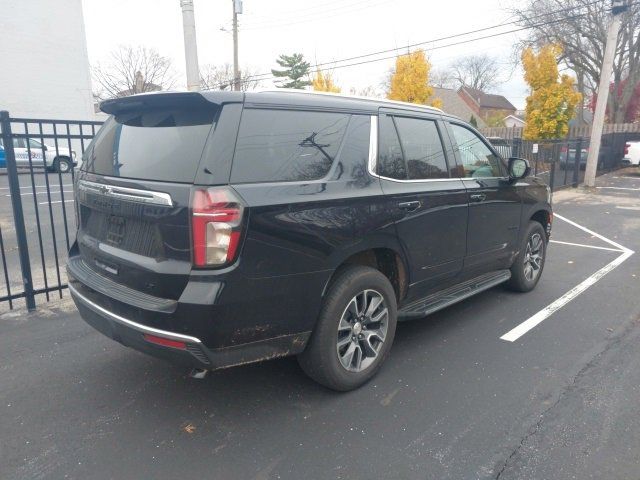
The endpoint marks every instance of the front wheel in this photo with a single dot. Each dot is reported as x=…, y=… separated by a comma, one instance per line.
x=354, y=332
x=528, y=265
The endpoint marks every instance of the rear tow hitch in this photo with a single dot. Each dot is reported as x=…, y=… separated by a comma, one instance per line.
x=198, y=373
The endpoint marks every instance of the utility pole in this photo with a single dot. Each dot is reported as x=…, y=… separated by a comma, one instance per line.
x=190, y=45
x=237, y=9
x=618, y=7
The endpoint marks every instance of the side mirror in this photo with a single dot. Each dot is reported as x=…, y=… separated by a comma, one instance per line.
x=518, y=168
x=44, y=147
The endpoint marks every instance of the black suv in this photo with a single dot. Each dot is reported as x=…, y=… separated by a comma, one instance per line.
x=223, y=228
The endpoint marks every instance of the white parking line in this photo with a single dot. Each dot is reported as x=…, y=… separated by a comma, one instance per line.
x=586, y=246
x=42, y=186
x=619, y=188
x=55, y=201
x=517, y=332
x=42, y=193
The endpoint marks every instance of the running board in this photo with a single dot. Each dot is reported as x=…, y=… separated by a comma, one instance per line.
x=438, y=301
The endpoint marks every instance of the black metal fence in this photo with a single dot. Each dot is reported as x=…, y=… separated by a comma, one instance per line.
x=561, y=163
x=37, y=213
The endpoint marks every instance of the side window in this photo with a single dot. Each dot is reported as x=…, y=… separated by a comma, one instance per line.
x=422, y=148
x=19, y=143
x=390, y=160
x=34, y=144
x=477, y=159
x=286, y=145
x=355, y=151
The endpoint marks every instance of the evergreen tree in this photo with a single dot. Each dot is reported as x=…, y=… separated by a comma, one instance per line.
x=473, y=121
x=295, y=73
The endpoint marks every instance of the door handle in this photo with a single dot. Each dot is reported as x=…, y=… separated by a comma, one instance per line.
x=410, y=206
x=477, y=197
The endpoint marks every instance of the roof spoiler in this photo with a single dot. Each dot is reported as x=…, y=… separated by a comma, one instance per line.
x=152, y=100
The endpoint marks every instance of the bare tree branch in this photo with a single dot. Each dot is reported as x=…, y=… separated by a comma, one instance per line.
x=220, y=77
x=130, y=70
x=580, y=27
x=481, y=72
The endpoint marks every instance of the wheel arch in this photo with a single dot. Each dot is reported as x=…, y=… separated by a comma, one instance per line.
x=543, y=215
x=384, y=254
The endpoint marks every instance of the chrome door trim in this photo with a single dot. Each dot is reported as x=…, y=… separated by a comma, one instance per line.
x=373, y=160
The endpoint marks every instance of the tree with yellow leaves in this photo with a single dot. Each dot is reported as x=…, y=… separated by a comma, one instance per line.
x=553, y=99
x=410, y=80
x=324, y=83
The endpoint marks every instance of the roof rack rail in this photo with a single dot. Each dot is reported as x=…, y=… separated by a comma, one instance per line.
x=355, y=97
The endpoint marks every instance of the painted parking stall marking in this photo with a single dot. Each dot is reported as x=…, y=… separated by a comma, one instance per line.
x=533, y=321
x=619, y=188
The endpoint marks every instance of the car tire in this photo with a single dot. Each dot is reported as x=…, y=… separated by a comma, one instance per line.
x=355, y=329
x=62, y=165
x=529, y=264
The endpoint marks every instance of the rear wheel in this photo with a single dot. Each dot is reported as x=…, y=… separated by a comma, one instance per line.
x=527, y=268
x=62, y=165
x=354, y=332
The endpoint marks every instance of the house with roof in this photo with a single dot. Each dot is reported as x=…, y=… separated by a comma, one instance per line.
x=486, y=105
x=514, y=121
x=453, y=104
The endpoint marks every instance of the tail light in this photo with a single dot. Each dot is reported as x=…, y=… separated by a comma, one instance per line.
x=626, y=149
x=216, y=221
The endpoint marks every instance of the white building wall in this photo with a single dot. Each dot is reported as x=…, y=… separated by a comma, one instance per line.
x=44, y=65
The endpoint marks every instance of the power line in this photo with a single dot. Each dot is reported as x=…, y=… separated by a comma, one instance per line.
x=320, y=15
x=269, y=76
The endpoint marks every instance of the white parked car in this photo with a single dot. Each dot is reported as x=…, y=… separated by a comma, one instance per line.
x=61, y=161
x=632, y=154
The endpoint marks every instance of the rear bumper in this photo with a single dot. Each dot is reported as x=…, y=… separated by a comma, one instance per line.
x=185, y=350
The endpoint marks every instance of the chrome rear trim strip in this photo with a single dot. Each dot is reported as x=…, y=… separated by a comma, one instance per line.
x=129, y=323
x=126, y=193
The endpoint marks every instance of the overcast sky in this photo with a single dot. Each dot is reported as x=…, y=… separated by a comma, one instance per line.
x=322, y=31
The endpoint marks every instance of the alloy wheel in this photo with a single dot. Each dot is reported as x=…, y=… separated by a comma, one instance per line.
x=362, y=330
x=533, y=257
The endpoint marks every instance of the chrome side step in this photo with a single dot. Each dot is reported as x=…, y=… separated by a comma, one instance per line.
x=438, y=301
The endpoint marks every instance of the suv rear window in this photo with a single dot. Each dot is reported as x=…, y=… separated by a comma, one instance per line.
x=286, y=145
x=161, y=144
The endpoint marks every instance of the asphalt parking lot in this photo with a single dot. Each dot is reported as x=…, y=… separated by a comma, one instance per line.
x=543, y=385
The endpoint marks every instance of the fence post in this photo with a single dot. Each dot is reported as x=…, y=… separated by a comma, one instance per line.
x=576, y=162
x=16, y=204
x=552, y=174
x=516, y=147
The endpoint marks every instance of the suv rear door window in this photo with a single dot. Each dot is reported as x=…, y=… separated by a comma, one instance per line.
x=286, y=145
x=160, y=144
x=422, y=148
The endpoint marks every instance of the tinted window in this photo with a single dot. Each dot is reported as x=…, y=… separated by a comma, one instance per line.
x=160, y=144
x=355, y=150
x=285, y=145
x=477, y=159
x=390, y=161
x=422, y=148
